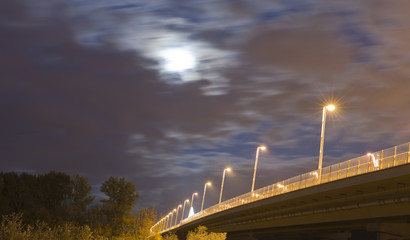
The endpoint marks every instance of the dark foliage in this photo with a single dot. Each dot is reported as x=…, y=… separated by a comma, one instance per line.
x=53, y=198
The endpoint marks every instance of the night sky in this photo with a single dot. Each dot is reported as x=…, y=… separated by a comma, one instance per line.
x=167, y=93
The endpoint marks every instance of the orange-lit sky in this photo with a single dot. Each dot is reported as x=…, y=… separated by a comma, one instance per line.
x=168, y=93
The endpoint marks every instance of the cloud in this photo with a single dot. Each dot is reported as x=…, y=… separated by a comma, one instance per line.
x=82, y=91
x=308, y=50
x=79, y=108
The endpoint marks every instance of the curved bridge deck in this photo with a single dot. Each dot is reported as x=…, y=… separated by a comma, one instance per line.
x=351, y=193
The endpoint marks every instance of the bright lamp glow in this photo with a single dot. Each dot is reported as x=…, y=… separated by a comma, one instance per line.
x=228, y=169
x=262, y=148
x=209, y=183
x=330, y=107
x=375, y=162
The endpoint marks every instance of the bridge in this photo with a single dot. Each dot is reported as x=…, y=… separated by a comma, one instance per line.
x=365, y=196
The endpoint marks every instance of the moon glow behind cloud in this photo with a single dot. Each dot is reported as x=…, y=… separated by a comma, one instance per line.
x=177, y=60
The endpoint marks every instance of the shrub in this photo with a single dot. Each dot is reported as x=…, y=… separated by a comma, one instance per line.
x=12, y=228
x=200, y=233
x=170, y=236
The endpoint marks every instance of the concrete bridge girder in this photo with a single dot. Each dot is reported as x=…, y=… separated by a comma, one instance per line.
x=335, y=208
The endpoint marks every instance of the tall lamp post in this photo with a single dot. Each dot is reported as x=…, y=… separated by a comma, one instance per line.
x=183, y=208
x=203, y=197
x=191, y=209
x=330, y=107
x=176, y=217
x=192, y=200
x=172, y=214
x=166, y=221
x=222, y=184
x=169, y=219
x=256, y=165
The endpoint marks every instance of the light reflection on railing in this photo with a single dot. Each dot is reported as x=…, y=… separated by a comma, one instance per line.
x=376, y=161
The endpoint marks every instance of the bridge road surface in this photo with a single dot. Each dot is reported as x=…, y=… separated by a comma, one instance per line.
x=374, y=205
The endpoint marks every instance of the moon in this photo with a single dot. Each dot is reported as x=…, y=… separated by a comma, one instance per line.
x=177, y=59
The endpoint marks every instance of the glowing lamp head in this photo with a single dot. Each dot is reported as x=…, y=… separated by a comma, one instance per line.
x=330, y=107
x=180, y=205
x=209, y=183
x=174, y=210
x=187, y=200
x=196, y=194
x=228, y=169
x=262, y=147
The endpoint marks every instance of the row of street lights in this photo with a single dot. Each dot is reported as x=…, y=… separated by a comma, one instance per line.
x=191, y=212
x=167, y=220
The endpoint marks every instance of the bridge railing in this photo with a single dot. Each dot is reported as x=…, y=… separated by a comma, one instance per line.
x=371, y=162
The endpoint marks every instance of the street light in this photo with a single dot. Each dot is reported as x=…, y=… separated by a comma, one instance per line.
x=167, y=225
x=330, y=107
x=192, y=200
x=203, y=197
x=176, y=217
x=375, y=162
x=256, y=164
x=170, y=218
x=183, y=209
x=222, y=185
x=172, y=213
x=191, y=209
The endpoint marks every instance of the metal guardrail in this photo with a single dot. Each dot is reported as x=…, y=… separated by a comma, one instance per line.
x=371, y=162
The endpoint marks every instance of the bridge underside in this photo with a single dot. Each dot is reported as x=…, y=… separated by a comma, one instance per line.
x=360, y=207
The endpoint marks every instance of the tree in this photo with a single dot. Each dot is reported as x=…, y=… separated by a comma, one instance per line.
x=97, y=220
x=121, y=194
x=121, y=199
x=145, y=219
x=80, y=198
x=138, y=225
x=3, y=199
x=55, y=194
x=53, y=197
